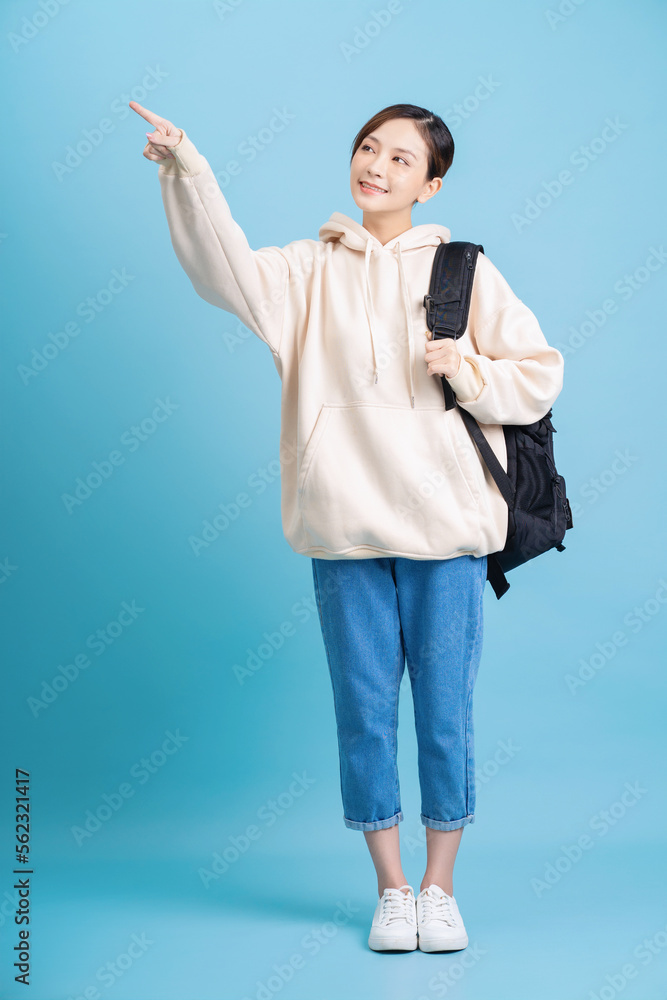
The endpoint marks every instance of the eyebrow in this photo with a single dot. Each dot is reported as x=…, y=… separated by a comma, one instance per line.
x=397, y=148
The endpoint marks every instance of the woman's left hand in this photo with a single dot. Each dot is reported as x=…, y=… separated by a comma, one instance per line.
x=442, y=356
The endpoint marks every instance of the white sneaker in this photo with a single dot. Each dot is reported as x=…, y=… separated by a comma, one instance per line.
x=394, y=926
x=439, y=922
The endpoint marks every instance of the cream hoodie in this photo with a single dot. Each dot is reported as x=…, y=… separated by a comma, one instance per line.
x=371, y=462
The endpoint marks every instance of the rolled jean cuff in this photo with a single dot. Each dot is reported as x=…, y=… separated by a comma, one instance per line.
x=454, y=824
x=378, y=824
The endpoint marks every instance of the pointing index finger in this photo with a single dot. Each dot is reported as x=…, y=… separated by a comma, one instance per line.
x=150, y=116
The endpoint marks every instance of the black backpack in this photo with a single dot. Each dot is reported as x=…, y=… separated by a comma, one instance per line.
x=539, y=511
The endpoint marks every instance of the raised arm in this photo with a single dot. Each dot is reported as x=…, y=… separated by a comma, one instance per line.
x=210, y=246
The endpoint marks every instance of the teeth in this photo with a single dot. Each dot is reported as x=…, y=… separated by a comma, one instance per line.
x=373, y=187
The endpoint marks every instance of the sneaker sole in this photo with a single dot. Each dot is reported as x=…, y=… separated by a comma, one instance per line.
x=454, y=944
x=391, y=943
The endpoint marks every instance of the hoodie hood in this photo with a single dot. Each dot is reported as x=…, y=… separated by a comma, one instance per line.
x=343, y=229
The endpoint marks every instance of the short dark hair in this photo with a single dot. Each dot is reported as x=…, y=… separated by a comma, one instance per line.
x=430, y=126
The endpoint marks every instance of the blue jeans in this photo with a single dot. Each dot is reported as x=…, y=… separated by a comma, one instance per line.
x=375, y=614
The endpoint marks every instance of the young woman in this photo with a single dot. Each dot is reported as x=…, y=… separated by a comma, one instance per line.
x=382, y=487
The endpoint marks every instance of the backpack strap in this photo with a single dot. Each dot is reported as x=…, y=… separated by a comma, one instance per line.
x=448, y=300
x=447, y=306
x=495, y=576
x=503, y=481
x=494, y=571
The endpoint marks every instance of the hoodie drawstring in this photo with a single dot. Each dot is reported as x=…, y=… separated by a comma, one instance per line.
x=369, y=305
x=408, y=315
x=368, y=299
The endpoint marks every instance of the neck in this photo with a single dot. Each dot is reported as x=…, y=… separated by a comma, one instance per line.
x=384, y=226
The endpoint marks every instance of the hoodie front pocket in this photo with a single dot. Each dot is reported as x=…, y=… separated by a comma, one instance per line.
x=389, y=477
x=311, y=445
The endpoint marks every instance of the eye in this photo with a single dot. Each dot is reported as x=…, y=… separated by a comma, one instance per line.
x=366, y=146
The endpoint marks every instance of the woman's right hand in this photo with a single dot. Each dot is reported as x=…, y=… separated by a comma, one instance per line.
x=169, y=135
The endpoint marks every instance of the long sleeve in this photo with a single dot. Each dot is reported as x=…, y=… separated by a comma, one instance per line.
x=213, y=249
x=513, y=376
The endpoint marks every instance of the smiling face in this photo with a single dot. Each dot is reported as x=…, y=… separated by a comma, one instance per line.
x=388, y=171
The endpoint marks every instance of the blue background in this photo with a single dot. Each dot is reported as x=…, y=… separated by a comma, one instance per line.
x=219, y=71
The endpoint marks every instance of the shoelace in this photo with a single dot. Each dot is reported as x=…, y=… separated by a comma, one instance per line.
x=397, y=905
x=437, y=908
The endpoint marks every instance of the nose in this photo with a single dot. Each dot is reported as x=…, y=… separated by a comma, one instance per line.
x=375, y=171
x=376, y=165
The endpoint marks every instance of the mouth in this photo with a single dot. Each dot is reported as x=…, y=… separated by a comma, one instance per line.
x=371, y=188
